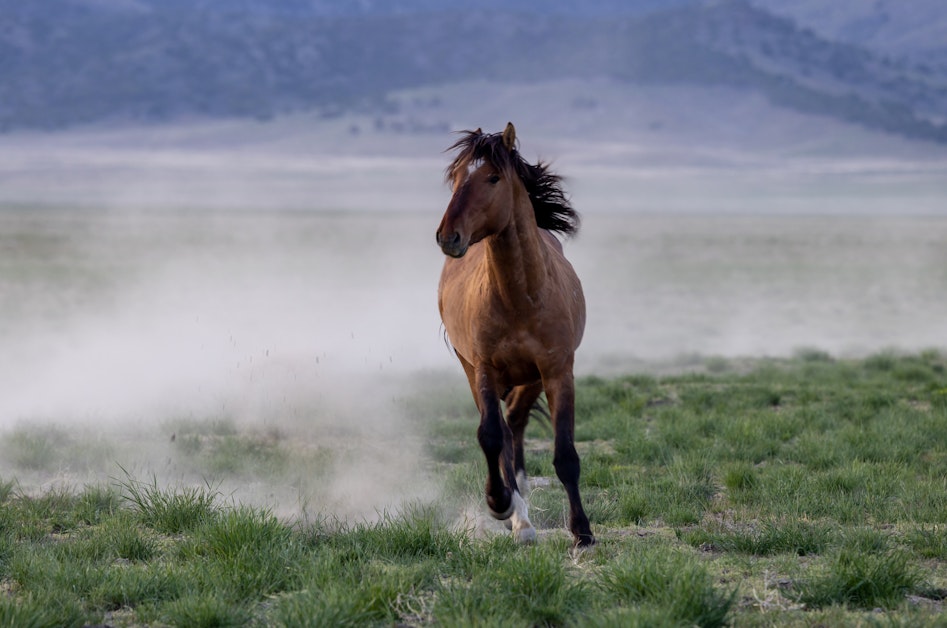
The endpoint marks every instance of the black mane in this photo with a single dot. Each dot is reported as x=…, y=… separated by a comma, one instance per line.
x=550, y=205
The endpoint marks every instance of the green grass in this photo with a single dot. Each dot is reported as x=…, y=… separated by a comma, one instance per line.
x=50, y=448
x=670, y=582
x=806, y=491
x=862, y=579
x=169, y=511
x=215, y=448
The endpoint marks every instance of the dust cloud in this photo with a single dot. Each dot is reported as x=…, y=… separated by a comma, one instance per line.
x=306, y=326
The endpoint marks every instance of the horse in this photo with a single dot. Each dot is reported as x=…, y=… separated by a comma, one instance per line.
x=514, y=313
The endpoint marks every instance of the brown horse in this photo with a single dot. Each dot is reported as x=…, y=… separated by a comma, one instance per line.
x=514, y=312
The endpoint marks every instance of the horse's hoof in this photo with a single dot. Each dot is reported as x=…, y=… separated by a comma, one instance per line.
x=525, y=535
x=582, y=547
x=585, y=540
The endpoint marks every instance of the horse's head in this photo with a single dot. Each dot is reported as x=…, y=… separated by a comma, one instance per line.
x=483, y=182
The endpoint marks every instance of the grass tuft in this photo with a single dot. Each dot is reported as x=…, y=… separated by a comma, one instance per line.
x=246, y=553
x=862, y=580
x=52, y=448
x=33, y=611
x=168, y=511
x=331, y=606
x=206, y=612
x=417, y=533
x=97, y=504
x=6, y=490
x=783, y=537
x=513, y=586
x=34, y=448
x=669, y=580
x=930, y=543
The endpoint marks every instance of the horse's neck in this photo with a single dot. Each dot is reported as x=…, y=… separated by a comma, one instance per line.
x=518, y=257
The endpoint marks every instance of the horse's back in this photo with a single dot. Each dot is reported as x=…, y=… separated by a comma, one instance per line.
x=569, y=286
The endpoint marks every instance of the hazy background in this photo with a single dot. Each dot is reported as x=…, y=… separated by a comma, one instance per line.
x=218, y=209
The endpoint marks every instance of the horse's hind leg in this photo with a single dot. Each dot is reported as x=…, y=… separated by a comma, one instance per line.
x=519, y=404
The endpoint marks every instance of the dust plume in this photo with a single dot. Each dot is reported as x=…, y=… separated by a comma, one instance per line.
x=302, y=329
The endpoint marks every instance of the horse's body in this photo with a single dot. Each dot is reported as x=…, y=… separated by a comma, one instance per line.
x=514, y=312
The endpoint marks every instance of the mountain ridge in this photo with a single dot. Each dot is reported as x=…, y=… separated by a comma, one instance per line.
x=71, y=62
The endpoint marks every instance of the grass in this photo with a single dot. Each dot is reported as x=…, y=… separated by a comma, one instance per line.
x=167, y=511
x=51, y=447
x=805, y=491
x=671, y=583
x=862, y=579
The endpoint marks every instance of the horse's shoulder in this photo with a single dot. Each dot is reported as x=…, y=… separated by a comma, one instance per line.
x=462, y=275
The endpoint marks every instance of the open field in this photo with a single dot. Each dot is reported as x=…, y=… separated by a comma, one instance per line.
x=250, y=418
x=226, y=398
x=800, y=491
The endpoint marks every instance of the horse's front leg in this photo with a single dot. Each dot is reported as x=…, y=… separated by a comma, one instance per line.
x=491, y=436
x=496, y=440
x=561, y=396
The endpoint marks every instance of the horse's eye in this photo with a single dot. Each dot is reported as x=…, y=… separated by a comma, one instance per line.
x=494, y=178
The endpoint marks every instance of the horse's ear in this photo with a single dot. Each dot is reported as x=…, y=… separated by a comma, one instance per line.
x=509, y=136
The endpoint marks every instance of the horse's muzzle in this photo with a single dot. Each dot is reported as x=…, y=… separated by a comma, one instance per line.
x=453, y=245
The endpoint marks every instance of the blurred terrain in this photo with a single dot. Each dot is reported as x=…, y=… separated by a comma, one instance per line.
x=621, y=147
x=67, y=62
x=915, y=29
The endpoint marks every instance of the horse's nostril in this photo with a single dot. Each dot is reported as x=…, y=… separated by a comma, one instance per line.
x=451, y=243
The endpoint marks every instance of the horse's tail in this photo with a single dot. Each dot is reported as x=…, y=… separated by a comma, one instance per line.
x=540, y=412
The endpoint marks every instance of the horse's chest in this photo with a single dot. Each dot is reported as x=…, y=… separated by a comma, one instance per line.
x=519, y=350
x=515, y=354
x=518, y=336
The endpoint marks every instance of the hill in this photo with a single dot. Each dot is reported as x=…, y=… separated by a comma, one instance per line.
x=69, y=62
x=916, y=29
